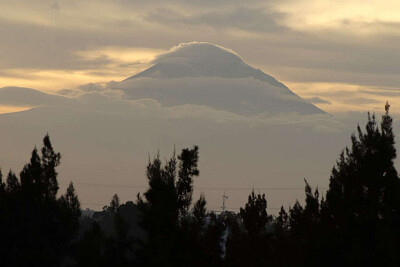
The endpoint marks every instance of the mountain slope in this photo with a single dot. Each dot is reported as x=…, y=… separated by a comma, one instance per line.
x=210, y=75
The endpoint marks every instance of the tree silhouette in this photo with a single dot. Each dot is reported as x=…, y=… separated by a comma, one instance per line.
x=13, y=185
x=2, y=184
x=282, y=221
x=254, y=215
x=71, y=210
x=250, y=246
x=40, y=227
x=199, y=210
x=362, y=204
x=91, y=248
x=166, y=198
x=50, y=160
x=187, y=170
x=358, y=223
x=176, y=237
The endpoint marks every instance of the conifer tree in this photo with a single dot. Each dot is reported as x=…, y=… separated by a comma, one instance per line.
x=199, y=210
x=165, y=206
x=251, y=246
x=363, y=204
x=187, y=170
x=32, y=177
x=40, y=226
x=71, y=209
x=114, y=204
x=312, y=207
x=282, y=221
x=2, y=184
x=159, y=212
x=254, y=215
x=13, y=184
x=50, y=160
x=296, y=217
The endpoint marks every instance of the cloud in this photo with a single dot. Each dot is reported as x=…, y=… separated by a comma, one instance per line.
x=116, y=57
x=318, y=100
x=203, y=51
x=91, y=87
x=242, y=18
x=78, y=42
x=382, y=91
x=376, y=25
x=151, y=109
x=350, y=97
x=361, y=101
x=102, y=99
x=19, y=96
x=324, y=15
x=55, y=6
x=246, y=96
x=67, y=92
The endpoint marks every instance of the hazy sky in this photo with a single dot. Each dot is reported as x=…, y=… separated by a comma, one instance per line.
x=342, y=55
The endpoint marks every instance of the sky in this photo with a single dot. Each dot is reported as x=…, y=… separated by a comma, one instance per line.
x=341, y=55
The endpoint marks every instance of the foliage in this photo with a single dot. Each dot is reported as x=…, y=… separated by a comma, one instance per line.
x=36, y=226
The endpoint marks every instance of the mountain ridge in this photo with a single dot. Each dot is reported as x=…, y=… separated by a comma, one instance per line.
x=203, y=59
x=206, y=74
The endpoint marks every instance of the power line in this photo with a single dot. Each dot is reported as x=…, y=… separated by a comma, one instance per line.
x=116, y=166
x=210, y=208
x=208, y=188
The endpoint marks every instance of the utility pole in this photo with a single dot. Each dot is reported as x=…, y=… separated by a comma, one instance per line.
x=224, y=197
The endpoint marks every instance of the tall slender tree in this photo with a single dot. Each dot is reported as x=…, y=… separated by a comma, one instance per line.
x=187, y=170
x=50, y=161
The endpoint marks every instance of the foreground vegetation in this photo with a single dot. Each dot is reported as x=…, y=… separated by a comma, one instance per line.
x=357, y=222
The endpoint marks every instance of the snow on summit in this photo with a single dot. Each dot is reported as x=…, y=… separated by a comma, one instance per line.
x=200, y=51
x=197, y=59
x=205, y=74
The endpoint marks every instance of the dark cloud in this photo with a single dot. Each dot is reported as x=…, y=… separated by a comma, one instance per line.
x=31, y=46
x=43, y=47
x=242, y=18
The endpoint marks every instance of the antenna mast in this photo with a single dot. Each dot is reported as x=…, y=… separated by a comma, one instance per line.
x=224, y=197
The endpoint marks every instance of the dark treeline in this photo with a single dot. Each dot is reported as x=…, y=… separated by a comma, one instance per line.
x=356, y=223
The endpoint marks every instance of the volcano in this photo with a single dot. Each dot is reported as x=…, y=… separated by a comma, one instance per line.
x=205, y=74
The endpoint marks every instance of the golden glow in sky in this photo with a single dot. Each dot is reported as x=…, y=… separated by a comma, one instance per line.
x=117, y=64
x=10, y=109
x=311, y=15
x=343, y=52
